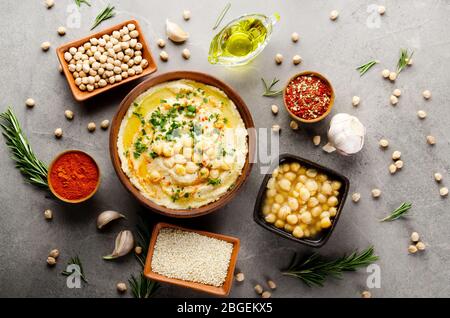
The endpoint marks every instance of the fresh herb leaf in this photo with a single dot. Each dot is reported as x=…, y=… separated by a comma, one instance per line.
x=80, y=2
x=75, y=261
x=214, y=181
x=105, y=14
x=362, y=69
x=34, y=170
x=403, y=60
x=221, y=15
x=139, y=148
x=268, y=89
x=141, y=287
x=313, y=271
x=140, y=117
x=398, y=212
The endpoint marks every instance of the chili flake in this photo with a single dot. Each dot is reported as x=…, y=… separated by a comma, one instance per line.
x=308, y=96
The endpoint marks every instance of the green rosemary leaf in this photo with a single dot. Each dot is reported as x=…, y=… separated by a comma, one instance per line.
x=141, y=287
x=398, y=212
x=362, y=69
x=221, y=15
x=80, y=2
x=268, y=89
x=105, y=14
x=313, y=271
x=75, y=261
x=403, y=60
x=34, y=170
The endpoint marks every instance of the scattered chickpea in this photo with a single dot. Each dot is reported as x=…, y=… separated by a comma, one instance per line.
x=161, y=43
x=412, y=249
x=186, y=54
x=278, y=58
x=415, y=237
x=293, y=124
x=393, y=100
x=392, y=168
x=48, y=214
x=104, y=124
x=316, y=140
x=138, y=250
x=258, y=289
x=385, y=73
x=334, y=15
x=431, y=140
x=276, y=128
x=271, y=284
x=51, y=261
x=376, y=193
x=296, y=59
x=426, y=94
x=295, y=37
x=409, y=61
x=274, y=109
x=60, y=69
x=443, y=191
x=381, y=10
x=397, y=92
x=421, y=114
x=384, y=143
x=396, y=155
x=399, y=164
x=356, y=197
x=164, y=56
x=366, y=294
x=186, y=15
x=49, y=3
x=438, y=177
x=240, y=277
x=91, y=127
x=61, y=31
x=266, y=294
x=420, y=246
x=392, y=76
x=121, y=287
x=355, y=100
x=45, y=46
x=69, y=114
x=30, y=102
x=58, y=132
x=54, y=253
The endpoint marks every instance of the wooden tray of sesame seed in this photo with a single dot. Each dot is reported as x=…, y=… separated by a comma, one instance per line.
x=80, y=95
x=222, y=290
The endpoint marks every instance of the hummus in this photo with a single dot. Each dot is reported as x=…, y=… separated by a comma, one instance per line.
x=183, y=144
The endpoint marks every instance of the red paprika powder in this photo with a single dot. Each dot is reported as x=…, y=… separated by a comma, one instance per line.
x=73, y=176
x=308, y=96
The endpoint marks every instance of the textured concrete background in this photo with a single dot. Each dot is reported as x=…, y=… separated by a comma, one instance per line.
x=332, y=48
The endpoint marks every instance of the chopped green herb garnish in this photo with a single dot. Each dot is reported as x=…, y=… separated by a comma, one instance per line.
x=214, y=181
x=139, y=148
x=140, y=117
x=153, y=154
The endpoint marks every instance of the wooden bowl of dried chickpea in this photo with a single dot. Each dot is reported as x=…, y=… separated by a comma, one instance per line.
x=301, y=200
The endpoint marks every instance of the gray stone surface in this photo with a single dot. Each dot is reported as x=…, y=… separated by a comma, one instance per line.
x=332, y=48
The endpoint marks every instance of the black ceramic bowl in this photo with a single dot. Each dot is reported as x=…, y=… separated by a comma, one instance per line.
x=323, y=237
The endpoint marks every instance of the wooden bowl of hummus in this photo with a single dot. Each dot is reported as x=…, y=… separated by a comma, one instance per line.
x=182, y=143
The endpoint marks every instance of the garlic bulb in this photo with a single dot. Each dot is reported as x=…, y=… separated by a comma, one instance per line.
x=346, y=134
x=124, y=244
x=175, y=32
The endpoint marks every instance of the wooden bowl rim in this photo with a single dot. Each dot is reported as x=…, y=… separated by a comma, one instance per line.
x=167, y=77
x=330, y=106
x=223, y=290
x=84, y=95
x=50, y=183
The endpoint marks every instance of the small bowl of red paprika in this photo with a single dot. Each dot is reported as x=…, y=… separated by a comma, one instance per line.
x=308, y=97
x=73, y=176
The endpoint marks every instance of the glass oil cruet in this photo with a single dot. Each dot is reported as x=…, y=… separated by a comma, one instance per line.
x=241, y=40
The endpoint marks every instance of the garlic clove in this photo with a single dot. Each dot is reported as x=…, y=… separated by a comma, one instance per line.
x=123, y=245
x=107, y=216
x=175, y=32
x=328, y=148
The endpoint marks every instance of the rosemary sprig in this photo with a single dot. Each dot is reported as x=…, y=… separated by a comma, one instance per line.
x=75, y=261
x=141, y=287
x=398, y=212
x=221, y=15
x=362, y=69
x=314, y=271
x=105, y=14
x=80, y=2
x=34, y=170
x=403, y=60
x=268, y=89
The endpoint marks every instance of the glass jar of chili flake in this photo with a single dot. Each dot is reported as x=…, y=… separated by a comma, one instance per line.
x=308, y=97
